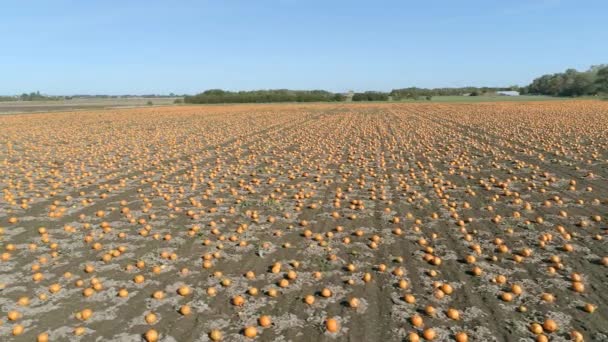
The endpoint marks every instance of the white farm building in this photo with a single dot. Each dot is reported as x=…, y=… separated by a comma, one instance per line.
x=507, y=93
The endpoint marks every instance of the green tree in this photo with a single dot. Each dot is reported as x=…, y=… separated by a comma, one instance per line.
x=570, y=83
x=371, y=96
x=601, y=80
x=263, y=96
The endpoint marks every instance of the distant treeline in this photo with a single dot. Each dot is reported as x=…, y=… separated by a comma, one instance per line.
x=78, y=96
x=571, y=83
x=33, y=96
x=284, y=95
x=263, y=96
x=593, y=81
x=37, y=96
x=416, y=93
x=371, y=96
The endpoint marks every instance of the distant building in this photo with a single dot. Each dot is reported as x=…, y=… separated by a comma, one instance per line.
x=348, y=95
x=507, y=93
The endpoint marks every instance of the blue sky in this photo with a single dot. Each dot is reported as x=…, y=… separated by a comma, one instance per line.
x=139, y=47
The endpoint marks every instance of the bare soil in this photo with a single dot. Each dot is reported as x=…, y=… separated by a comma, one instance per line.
x=331, y=192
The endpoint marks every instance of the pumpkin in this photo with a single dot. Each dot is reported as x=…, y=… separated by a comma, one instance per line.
x=332, y=325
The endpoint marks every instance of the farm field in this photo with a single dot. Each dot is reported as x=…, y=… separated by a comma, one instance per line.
x=306, y=222
x=12, y=107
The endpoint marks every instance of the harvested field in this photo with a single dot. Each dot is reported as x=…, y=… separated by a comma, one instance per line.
x=319, y=222
x=14, y=107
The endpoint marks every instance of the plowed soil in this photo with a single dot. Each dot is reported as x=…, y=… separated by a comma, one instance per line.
x=481, y=219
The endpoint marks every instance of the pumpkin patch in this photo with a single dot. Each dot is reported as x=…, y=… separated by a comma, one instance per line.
x=391, y=221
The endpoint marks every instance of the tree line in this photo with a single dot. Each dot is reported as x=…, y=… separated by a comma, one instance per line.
x=416, y=93
x=371, y=96
x=37, y=96
x=593, y=81
x=264, y=96
x=33, y=96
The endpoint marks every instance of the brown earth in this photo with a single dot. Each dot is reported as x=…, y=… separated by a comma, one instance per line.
x=334, y=193
x=14, y=107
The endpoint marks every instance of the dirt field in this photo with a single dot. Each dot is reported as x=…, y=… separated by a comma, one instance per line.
x=12, y=107
x=333, y=222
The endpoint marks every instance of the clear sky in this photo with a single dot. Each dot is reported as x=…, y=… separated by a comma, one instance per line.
x=138, y=47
